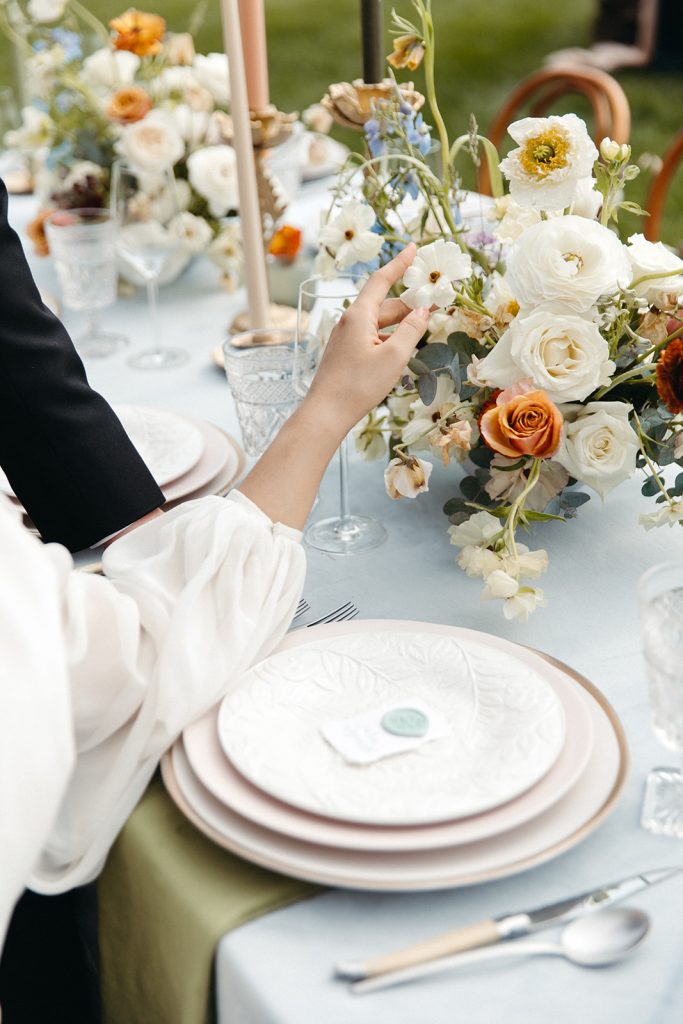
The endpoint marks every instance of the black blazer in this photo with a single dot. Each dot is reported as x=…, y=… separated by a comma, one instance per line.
x=63, y=449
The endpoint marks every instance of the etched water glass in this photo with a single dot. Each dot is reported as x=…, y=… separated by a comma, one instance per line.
x=661, y=610
x=321, y=305
x=82, y=245
x=259, y=366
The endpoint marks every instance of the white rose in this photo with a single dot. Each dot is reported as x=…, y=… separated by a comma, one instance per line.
x=191, y=124
x=110, y=69
x=407, y=479
x=213, y=173
x=193, y=232
x=564, y=355
x=598, y=445
x=554, y=154
x=152, y=144
x=476, y=531
x=654, y=258
x=44, y=11
x=569, y=260
x=213, y=73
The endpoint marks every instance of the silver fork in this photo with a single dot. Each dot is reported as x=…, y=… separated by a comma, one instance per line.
x=301, y=609
x=343, y=614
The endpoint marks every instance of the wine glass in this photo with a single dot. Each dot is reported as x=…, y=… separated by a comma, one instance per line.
x=320, y=307
x=144, y=204
x=661, y=612
x=82, y=248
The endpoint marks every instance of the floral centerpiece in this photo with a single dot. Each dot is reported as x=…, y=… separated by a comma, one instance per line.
x=554, y=355
x=131, y=90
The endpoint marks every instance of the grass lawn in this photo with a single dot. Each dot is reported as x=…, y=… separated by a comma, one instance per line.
x=484, y=49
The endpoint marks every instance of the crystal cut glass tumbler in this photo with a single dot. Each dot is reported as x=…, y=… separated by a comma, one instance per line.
x=661, y=609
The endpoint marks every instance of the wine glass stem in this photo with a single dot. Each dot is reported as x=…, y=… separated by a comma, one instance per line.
x=92, y=325
x=152, y=300
x=344, y=513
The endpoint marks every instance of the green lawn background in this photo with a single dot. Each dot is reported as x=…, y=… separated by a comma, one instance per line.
x=484, y=48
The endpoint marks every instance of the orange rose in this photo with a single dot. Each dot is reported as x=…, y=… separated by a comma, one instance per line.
x=523, y=421
x=138, y=32
x=36, y=232
x=128, y=105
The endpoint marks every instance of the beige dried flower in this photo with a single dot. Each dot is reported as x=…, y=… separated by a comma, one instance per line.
x=351, y=104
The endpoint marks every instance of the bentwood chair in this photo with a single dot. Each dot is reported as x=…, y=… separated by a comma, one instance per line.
x=659, y=188
x=537, y=93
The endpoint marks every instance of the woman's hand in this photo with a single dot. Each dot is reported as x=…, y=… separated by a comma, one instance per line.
x=358, y=370
x=361, y=365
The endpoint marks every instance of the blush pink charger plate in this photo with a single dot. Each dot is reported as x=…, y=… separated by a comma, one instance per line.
x=565, y=806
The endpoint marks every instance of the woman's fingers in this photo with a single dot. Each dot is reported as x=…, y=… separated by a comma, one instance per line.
x=391, y=311
x=378, y=284
x=409, y=331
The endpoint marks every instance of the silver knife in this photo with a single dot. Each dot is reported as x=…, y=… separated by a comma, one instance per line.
x=501, y=929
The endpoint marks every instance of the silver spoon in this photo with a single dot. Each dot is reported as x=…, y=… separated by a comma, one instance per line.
x=593, y=941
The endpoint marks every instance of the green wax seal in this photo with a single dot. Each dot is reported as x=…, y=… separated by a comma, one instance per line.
x=405, y=722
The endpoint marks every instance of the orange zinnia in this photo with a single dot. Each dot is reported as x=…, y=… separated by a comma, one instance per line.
x=139, y=32
x=670, y=376
x=522, y=422
x=128, y=105
x=285, y=243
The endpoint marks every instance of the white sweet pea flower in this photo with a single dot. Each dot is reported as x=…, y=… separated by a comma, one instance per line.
x=213, y=174
x=654, y=258
x=193, y=232
x=152, y=144
x=212, y=71
x=567, y=260
x=400, y=410
x=523, y=603
x=45, y=11
x=563, y=354
x=407, y=479
x=107, y=70
x=527, y=564
x=429, y=278
x=499, y=584
x=348, y=237
x=667, y=514
x=478, y=562
x=506, y=484
x=598, y=446
x=554, y=154
x=476, y=531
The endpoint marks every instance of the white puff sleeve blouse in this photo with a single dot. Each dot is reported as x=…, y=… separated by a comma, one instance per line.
x=188, y=602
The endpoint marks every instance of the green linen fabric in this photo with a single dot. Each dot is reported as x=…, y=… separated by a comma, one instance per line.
x=166, y=896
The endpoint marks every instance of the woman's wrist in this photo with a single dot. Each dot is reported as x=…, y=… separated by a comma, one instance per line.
x=328, y=423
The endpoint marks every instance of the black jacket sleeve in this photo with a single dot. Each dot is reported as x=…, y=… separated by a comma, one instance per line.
x=62, y=447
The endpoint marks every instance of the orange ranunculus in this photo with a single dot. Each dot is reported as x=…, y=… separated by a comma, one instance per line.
x=670, y=375
x=139, y=32
x=523, y=421
x=128, y=104
x=36, y=232
x=285, y=243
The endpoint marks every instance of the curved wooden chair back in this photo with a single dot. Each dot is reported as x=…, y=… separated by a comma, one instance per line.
x=538, y=92
x=656, y=198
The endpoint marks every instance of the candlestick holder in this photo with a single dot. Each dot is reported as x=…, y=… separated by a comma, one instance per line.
x=351, y=104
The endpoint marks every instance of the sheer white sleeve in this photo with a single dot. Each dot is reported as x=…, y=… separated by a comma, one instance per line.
x=190, y=600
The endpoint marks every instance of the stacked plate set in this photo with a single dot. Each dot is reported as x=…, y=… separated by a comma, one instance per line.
x=400, y=756
x=188, y=458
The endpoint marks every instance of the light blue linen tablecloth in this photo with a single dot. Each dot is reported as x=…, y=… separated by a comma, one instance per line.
x=277, y=970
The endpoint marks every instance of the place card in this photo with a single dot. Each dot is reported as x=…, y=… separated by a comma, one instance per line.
x=385, y=731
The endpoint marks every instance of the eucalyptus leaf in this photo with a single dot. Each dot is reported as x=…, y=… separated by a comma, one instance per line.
x=426, y=387
x=650, y=487
x=471, y=487
x=417, y=366
x=436, y=357
x=574, y=499
x=481, y=456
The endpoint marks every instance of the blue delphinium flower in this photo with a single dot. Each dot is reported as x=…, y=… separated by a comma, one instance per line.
x=64, y=101
x=69, y=42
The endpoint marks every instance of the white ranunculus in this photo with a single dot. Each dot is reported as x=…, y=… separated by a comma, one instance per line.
x=667, y=514
x=348, y=237
x=563, y=354
x=654, y=258
x=553, y=155
x=110, y=69
x=151, y=144
x=193, y=232
x=598, y=446
x=514, y=219
x=476, y=531
x=191, y=124
x=213, y=73
x=567, y=260
x=586, y=201
x=213, y=174
x=45, y=11
x=506, y=484
x=429, y=279
x=226, y=249
x=174, y=80
x=407, y=479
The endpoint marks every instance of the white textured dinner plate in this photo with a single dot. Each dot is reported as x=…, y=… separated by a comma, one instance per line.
x=330, y=157
x=170, y=445
x=220, y=778
x=222, y=459
x=559, y=828
x=505, y=726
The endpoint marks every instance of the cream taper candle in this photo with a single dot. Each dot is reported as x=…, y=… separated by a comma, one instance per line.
x=250, y=213
x=253, y=25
